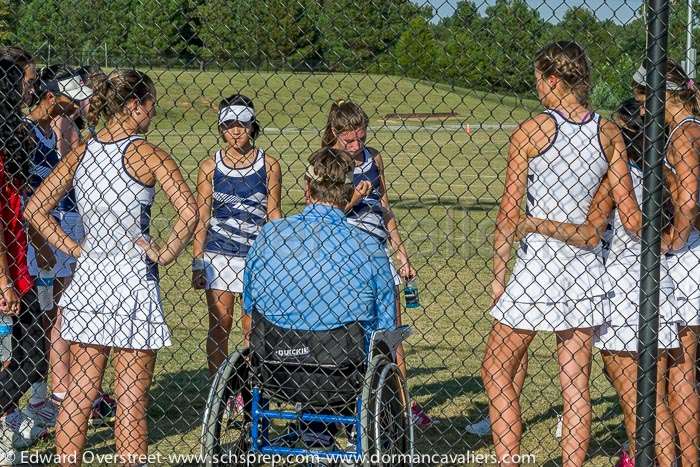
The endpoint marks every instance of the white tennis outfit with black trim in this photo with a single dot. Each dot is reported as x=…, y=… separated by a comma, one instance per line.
x=555, y=286
x=239, y=210
x=114, y=299
x=685, y=264
x=621, y=331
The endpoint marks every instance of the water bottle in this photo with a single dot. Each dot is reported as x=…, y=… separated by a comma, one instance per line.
x=5, y=338
x=44, y=289
x=410, y=293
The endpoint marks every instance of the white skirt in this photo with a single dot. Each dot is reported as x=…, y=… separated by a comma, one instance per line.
x=554, y=287
x=624, y=273
x=71, y=225
x=684, y=265
x=625, y=338
x=114, y=303
x=560, y=316
x=224, y=272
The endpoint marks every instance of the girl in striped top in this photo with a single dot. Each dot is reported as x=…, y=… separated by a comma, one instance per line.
x=369, y=208
x=238, y=190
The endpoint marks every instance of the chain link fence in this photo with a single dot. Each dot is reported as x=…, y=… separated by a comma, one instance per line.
x=441, y=107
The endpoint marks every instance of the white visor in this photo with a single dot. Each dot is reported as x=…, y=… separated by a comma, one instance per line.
x=73, y=87
x=238, y=113
x=640, y=77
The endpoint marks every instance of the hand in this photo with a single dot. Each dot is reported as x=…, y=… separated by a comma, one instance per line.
x=45, y=258
x=151, y=249
x=363, y=189
x=9, y=301
x=666, y=242
x=526, y=226
x=199, y=280
x=497, y=290
x=406, y=271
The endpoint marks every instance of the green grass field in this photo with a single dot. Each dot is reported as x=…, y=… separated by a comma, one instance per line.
x=444, y=185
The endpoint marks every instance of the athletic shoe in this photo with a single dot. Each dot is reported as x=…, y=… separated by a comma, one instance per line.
x=481, y=428
x=235, y=405
x=625, y=460
x=560, y=427
x=420, y=418
x=24, y=430
x=104, y=410
x=8, y=454
x=44, y=413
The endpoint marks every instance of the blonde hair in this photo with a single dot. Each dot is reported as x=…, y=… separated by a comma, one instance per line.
x=112, y=92
x=344, y=116
x=331, y=179
x=568, y=61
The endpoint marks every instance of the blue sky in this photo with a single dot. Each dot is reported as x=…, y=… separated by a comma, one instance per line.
x=620, y=11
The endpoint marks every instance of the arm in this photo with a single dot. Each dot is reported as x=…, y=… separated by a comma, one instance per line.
x=509, y=211
x=204, y=201
x=274, y=189
x=205, y=191
x=248, y=302
x=9, y=300
x=406, y=271
x=163, y=168
x=67, y=134
x=619, y=177
x=683, y=155
x=47, y=196
x=586, y=235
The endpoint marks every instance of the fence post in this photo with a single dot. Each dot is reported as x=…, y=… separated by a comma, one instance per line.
x=654, y=139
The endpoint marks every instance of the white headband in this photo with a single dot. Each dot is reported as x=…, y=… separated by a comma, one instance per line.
x=640, y=77
x=238, y=113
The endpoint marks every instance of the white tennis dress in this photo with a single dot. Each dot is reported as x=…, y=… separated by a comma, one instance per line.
x=685, y=265
x=114, y=298
x=621, y=331
x=555, y=286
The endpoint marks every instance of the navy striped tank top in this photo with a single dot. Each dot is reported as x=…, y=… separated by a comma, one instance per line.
x=44, y=159
x=368, y=214
x=239, y=206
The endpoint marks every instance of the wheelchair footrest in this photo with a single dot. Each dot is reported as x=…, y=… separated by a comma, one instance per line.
x=307, y=417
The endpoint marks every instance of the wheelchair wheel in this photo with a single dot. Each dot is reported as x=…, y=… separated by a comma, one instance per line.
x=387, y=428
x=226, y=424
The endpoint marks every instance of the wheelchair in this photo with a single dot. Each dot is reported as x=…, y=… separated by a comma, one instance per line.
x=264, y=399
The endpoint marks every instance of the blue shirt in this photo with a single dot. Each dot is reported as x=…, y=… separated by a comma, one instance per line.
x=314, y=271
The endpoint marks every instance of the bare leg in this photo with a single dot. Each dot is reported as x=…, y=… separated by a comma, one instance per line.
x=622, y=367
x=220, y=306
x=574, y=349
x=134, y=371
x=683, y=395
x=86, y=370
x=503, y=357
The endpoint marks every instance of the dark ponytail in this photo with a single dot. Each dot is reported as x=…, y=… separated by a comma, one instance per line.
x=15, y=143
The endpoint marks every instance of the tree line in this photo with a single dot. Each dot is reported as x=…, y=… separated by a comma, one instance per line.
x=490, y=50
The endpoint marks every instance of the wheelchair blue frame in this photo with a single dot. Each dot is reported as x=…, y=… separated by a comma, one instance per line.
x=255, y=437
x=261, y=416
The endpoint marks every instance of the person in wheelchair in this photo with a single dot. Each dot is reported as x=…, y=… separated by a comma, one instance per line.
x=317, y=287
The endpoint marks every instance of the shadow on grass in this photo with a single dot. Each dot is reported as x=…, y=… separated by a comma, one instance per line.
x=483, y=205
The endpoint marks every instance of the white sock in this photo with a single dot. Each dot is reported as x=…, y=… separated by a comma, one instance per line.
x=59, y=396
x=40, y=391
